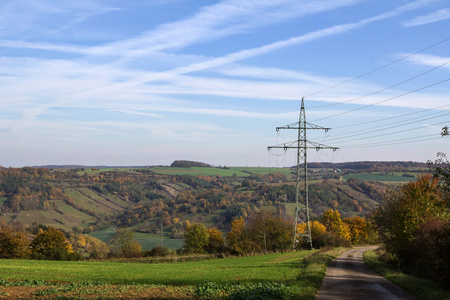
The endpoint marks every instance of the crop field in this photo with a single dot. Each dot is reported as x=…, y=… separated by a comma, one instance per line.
x=299, y=273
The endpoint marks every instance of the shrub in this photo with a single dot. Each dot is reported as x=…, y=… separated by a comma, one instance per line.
x=330, y=239
x=159, y=251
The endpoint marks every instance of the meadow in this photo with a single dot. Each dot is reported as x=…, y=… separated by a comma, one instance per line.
x=382, y=177
x=302, y=273
x=228, y=171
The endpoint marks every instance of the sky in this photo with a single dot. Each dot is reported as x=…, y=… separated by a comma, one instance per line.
x=147, y=82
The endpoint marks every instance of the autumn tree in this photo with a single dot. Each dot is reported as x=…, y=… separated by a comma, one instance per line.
x=317, y=232
x=441, y=170
x=401, y=213
x=89, y=246
x=238, y=239
x=414, y=224
x=262, y=231
x=13, y=244
x=196, y=238
x=51, y=244
x=333, y=222
x=124, y=245
x=215, y=240
x=269, y=231
x=358, y=229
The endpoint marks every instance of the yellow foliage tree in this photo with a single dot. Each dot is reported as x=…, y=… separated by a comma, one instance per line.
x=50, y=243
x=237, y=239
x=215, y=240
x=333, y=222
x=358, y=229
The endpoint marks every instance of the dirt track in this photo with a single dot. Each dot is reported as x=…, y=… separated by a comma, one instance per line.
x=348, y=278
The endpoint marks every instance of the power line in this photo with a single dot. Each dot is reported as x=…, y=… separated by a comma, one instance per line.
x=386, y=100
x=385, y=89
x=385, y=134
x=393, y=142
x=377, y=69
x=394, y=117
x=387, y=127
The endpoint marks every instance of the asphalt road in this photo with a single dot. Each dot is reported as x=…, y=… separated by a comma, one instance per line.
x=348, y=277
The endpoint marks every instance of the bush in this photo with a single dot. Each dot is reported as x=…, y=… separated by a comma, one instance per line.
x=159, y=251
x=330, y=239
x=429, y=251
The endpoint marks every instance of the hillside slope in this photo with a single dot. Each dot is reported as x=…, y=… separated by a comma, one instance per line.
x=85, y=200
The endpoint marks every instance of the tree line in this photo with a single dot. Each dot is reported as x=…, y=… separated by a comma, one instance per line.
x=413, y=222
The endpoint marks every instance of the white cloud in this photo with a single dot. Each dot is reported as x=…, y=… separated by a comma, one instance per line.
x=30, y=17
x=429, y=60
x=437, y=16
x=224, y=19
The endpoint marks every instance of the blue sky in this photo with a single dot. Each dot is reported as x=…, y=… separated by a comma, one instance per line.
x=143, y=82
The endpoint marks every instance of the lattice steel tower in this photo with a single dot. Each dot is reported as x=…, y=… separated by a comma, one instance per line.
x=302, y=144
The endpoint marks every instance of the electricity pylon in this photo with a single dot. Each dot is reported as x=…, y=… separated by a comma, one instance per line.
x=302, y=144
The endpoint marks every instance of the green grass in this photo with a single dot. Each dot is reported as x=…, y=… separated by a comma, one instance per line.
x=3, y=200
x=273, y=267
x=99, y=205
x=49, y=217
x=148, y=241
x=417, y=287
x=102, y=202
x=379, y=177
x=104, y=234
x=301, y=271
x=238, y=171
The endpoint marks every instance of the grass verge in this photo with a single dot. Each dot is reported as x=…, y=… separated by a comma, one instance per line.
x=417, y=287
x=312, y=271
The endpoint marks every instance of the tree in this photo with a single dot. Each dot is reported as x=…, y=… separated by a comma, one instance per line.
x=196, y=238
x=358, y=229
x=403, y=211
x=215, y=240
x=333, y=222
x=124, y=244
x=89, y=246
x=441, y=170
x=13, y=244
x=317, y=231
x=51, y=244
x=238, y=240
x=269, y=231
x=262, y=231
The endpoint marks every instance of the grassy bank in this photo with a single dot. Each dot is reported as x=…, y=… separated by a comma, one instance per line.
x=301, y=272
x=417, y=287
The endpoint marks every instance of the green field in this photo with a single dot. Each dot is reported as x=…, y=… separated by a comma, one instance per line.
x=238, y=171
x=3, y=200
x=379, y=177
x=147, y=240
x=273, y=267
x=301, y=272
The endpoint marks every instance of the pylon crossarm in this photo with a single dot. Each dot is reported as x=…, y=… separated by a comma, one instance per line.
x=294, y=145
x=297, y=126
